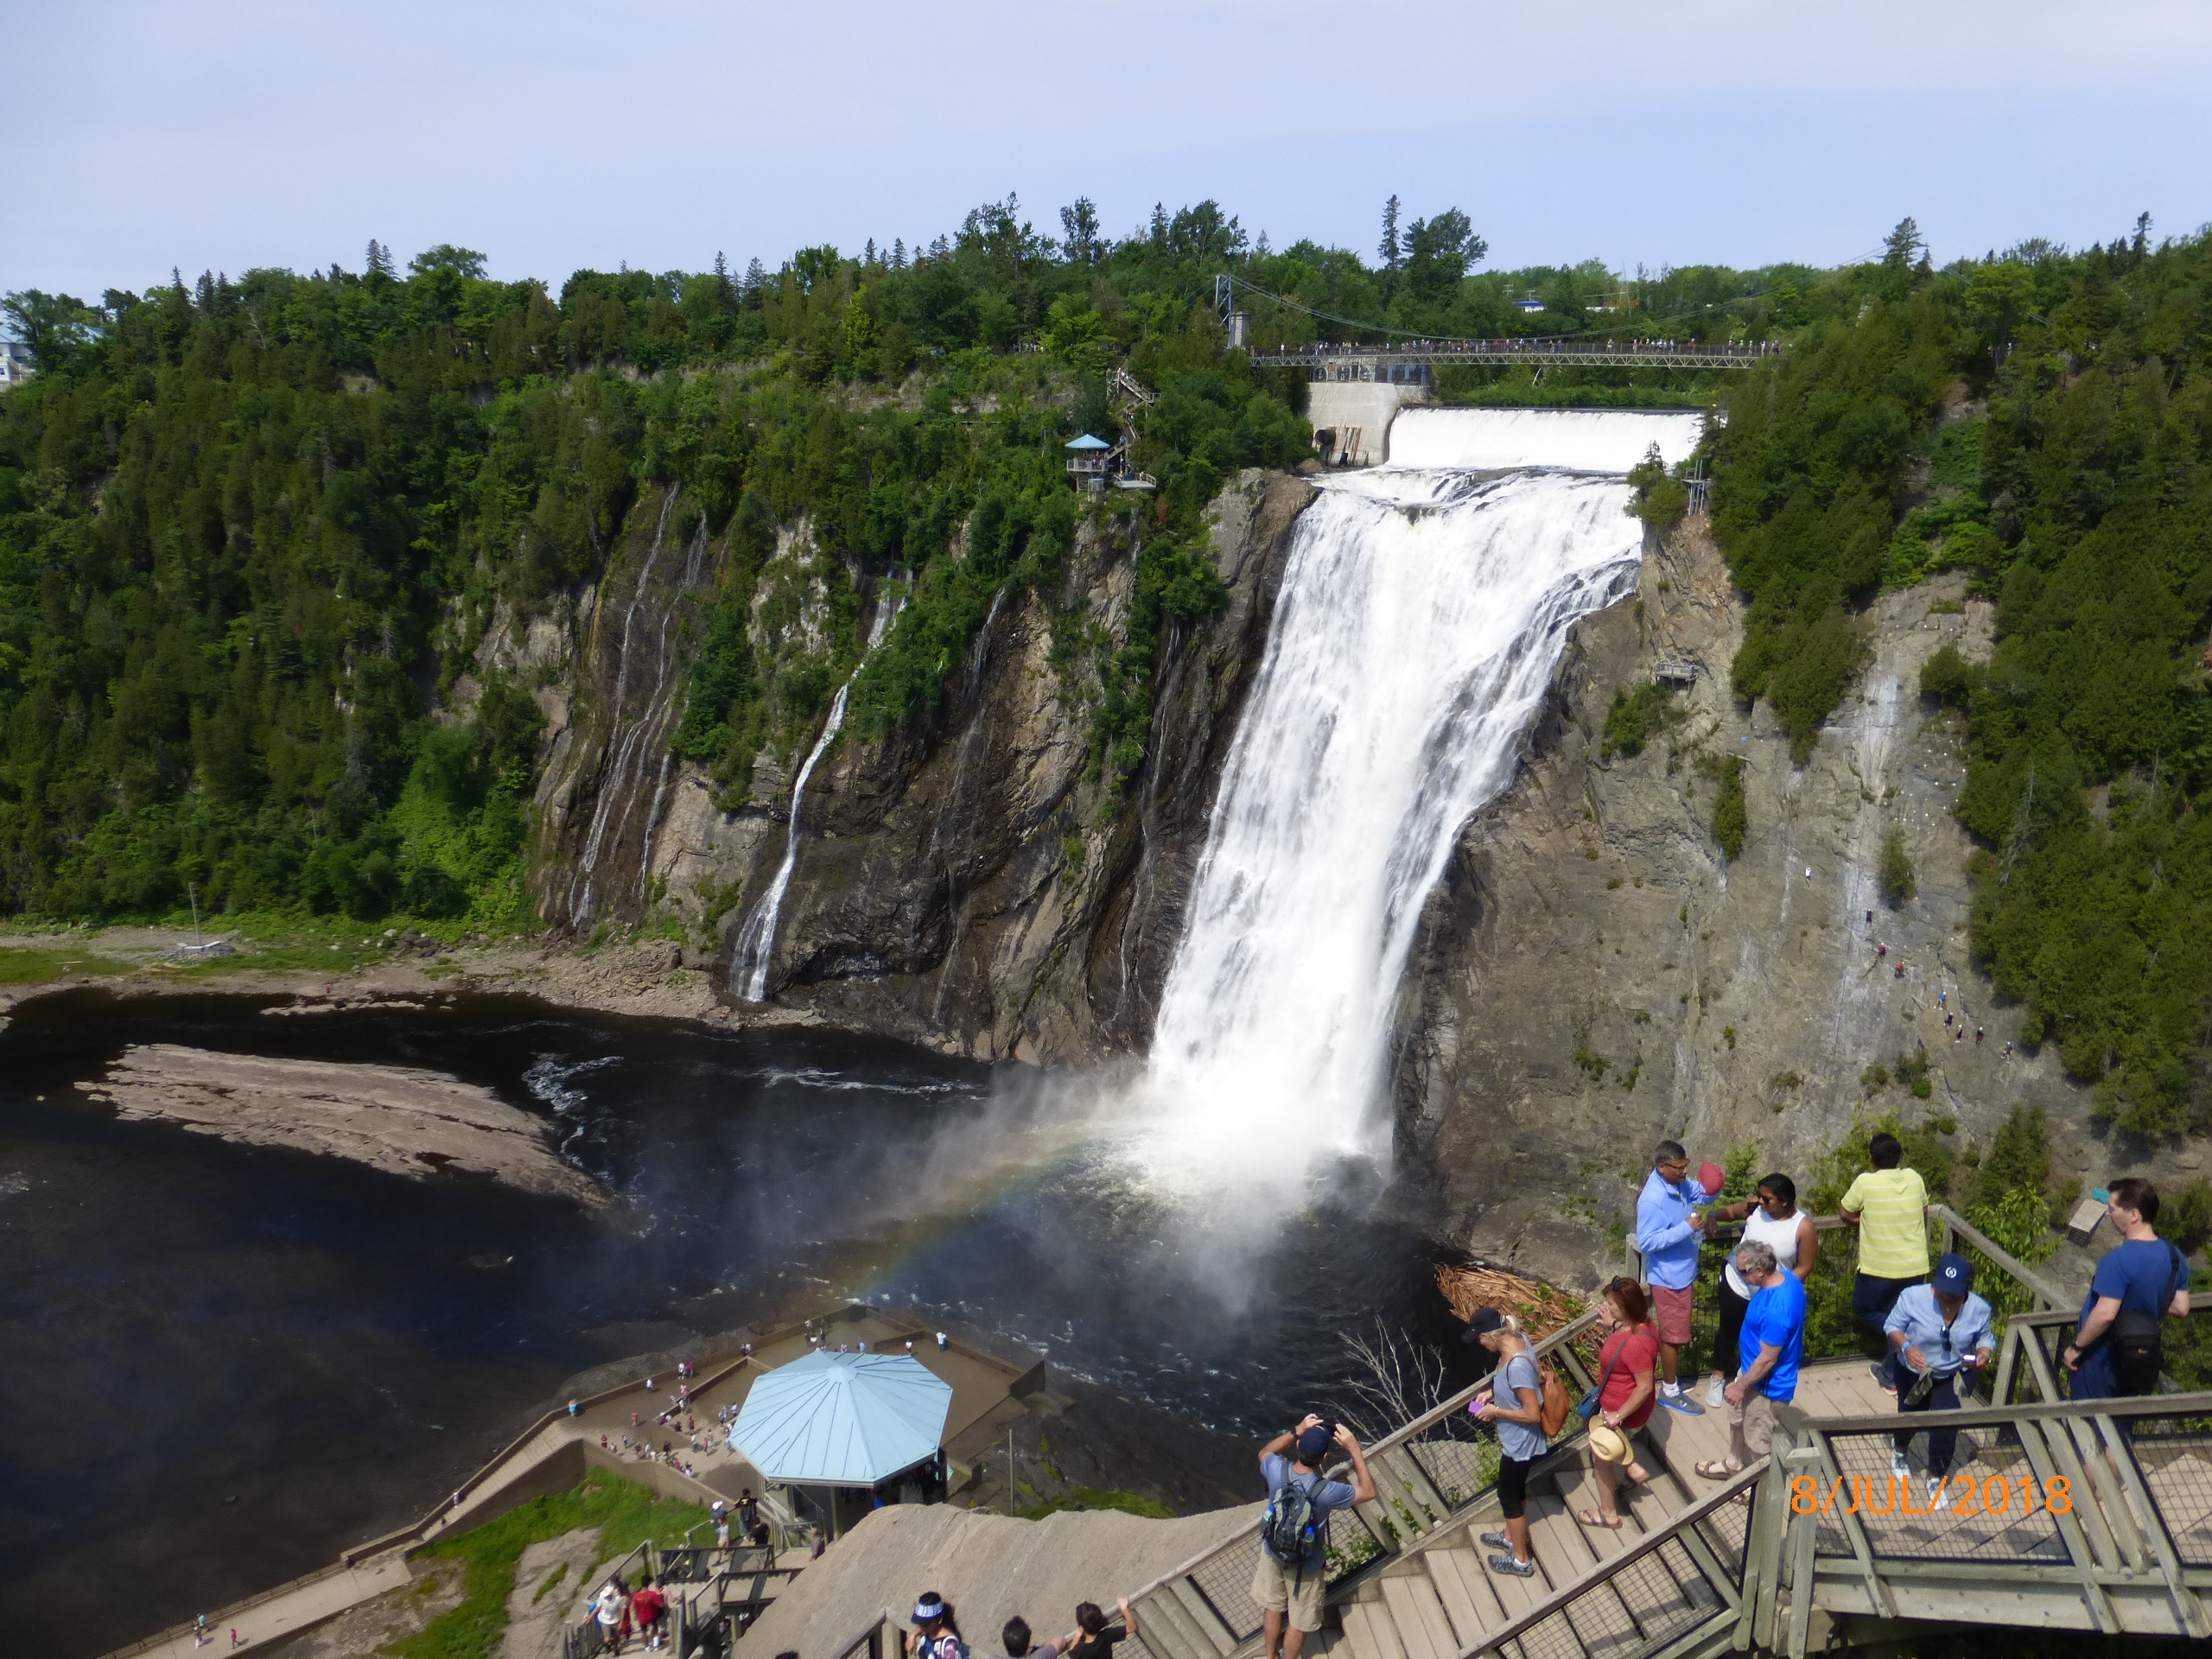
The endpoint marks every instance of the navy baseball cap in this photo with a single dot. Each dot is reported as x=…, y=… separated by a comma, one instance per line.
x=1314, y=1443
x=1481, y=1322
x=1953, y=1274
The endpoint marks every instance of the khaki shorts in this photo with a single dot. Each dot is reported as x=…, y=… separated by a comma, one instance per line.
x=1271, y=1588
x=1751, y=1427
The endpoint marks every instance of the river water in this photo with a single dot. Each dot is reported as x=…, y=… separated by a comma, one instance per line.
x=224, y=1363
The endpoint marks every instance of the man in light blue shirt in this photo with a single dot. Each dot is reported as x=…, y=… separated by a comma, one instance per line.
x=1668, y=1230
x=1939, y=1336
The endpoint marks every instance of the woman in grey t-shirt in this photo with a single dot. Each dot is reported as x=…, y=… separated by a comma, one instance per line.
x=1517, y=1408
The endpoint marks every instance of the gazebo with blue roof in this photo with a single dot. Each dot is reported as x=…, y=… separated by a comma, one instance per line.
x=843, y=1421
x=1087, y=459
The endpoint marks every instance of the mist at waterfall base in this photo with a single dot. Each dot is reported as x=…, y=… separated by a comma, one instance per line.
x=1423, y=607
x=224, y=1363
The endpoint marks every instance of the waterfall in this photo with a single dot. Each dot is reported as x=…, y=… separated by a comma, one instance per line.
x=756, y=940
x=1423, y=610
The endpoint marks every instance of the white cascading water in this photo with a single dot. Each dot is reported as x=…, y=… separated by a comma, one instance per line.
x=1424, y=607
x=756, y=940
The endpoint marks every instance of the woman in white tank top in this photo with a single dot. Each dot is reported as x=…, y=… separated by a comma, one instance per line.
x=1773, y=1219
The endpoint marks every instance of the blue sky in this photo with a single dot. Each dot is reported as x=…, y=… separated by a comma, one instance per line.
x=233, y=133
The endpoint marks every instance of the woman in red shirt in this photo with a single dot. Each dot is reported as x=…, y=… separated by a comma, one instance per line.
x=1627, y=1396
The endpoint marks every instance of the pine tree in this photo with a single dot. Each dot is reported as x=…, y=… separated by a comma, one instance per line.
x=756, y=276
x=1900, y=244
x=898, y=253
x=1159, y=226
x=380, y=258
x=1392, y=253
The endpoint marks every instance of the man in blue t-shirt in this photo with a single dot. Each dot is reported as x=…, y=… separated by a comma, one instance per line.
x=2116, y=1352
x=1772, y=1344
x=1291, y=1591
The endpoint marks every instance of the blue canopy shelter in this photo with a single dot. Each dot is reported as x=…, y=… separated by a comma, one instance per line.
x=842, y=1420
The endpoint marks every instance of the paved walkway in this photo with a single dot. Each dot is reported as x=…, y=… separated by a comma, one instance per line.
x=293, y=1609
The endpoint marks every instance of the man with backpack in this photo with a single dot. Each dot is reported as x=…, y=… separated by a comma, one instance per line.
x=2117, y=1351
x=1293, y=1569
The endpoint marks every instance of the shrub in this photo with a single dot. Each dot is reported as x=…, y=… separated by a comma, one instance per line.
x=1635, y=714
x=1728, y=814
x=1895, y=869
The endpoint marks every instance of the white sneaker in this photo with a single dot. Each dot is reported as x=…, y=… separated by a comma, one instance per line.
x=1899, y=1470
x=1715, y=1396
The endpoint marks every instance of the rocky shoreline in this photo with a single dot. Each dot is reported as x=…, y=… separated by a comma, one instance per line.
x=400, y=1120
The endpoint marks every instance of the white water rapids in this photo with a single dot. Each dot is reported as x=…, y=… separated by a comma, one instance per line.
x=1423, y=610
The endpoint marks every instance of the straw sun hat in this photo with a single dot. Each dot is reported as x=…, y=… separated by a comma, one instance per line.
x=1608, y=1445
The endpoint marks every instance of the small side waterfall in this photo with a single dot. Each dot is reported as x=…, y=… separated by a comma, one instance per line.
x=1424, y=608
x=756, y=941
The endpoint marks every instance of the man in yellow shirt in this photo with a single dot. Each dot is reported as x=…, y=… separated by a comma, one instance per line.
x=1889, y=1206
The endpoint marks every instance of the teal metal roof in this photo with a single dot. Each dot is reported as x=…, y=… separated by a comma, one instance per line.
x=841, y=1420
x=1086, y=441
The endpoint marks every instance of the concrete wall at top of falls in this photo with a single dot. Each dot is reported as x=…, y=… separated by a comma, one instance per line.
x=959, y=882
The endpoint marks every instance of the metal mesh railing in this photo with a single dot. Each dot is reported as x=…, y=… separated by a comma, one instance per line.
x=1678, y=1581
x=1990, y=1507
x=2174, y=1459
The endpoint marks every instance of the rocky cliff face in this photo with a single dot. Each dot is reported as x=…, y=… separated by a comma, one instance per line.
x=960, y=883
x=1592, y=975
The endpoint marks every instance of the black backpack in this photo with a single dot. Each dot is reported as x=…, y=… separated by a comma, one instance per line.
x=1292, y=1523
x=2137, y=1353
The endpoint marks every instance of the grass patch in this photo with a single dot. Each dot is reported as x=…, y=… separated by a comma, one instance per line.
x=626, y=1513
x=26, y=966
x=1095, y=1497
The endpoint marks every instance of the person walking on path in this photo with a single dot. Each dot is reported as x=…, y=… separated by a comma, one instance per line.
x=1016, y=1642
x=1515, y=1406
x=2118, y=1351
x=1289, y=1581
x=1093, y=1638
x=649, y=1608
x=1628, y=1390
x=935, y=1634
x=1889, y=1206
x=1939, y=1332
x=1773, y=1345
x=1773, y=1218
x=608, y=1610
x=1668, y=1230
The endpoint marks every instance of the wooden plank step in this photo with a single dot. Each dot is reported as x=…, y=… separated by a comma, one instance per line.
x=1422, y=1628
x=1515, y=1596
x=1204, y=1619
x=1579, y=1491
x=1467, y=1599
x=1168, y=1629
x=1369, y=1630
x=1556, y=1540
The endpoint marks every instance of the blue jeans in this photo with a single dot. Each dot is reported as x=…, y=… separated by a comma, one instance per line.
x=1872, y=1299
x=1944, y=1396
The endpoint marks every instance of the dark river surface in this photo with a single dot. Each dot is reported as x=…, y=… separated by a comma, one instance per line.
x=221, y=1365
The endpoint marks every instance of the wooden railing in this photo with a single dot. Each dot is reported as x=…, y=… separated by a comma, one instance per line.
x=1436, y=1467
x=1426, y=1472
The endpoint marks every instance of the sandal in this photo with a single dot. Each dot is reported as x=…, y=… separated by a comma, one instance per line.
x=1592, y=1518
x=1637, y=1475
x=1716, y=1472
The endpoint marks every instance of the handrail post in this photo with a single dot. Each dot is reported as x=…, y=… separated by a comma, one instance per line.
x=1803, y=1534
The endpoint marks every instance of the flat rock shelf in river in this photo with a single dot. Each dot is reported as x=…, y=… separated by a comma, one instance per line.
x=393, y=1118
